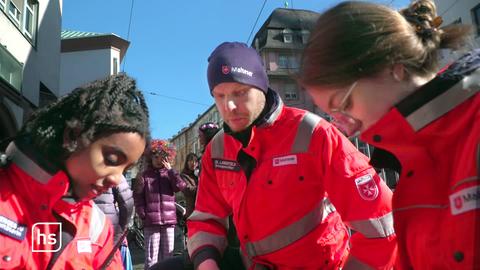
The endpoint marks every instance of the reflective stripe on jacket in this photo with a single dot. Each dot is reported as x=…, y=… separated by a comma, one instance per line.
x=286, y=216
x=29, y=196
x=435, y=134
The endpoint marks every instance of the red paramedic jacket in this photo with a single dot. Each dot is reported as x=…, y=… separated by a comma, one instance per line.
x=435, y=136
x=309, y=179
x=30, y=195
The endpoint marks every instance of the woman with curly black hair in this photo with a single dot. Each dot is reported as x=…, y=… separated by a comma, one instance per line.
x=66, y=154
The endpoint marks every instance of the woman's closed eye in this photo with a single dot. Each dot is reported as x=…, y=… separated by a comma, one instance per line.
x=113, y=156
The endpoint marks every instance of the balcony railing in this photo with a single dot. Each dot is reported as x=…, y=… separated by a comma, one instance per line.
x=10, y=69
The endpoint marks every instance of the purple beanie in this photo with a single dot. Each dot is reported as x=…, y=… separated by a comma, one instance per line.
x=236, y=62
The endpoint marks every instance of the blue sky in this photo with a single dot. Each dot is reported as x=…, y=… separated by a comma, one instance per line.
x=171, y=41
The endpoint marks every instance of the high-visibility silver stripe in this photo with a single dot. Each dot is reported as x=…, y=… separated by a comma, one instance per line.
x=355, y=264
x=202, y=216
x=217, y=145
x=428, y=206
x=445, y=102
x=291, y=233
x=374, y=227
x=304, y=133
x=274, y=115
x=26, y=164
x=97, y=223
x=202, y=239
x=468, y=179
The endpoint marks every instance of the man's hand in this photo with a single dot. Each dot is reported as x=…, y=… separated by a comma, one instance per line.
x=208, y=264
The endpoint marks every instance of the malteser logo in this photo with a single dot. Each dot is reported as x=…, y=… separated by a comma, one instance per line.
x=45, y=237
x=225, y=70
x=465, y=200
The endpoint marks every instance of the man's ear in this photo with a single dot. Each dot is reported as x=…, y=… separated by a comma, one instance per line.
x=398, y=72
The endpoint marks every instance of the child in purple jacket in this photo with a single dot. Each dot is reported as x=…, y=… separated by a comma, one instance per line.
x=154, y=197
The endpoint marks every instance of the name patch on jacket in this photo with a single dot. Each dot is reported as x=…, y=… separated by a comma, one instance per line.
x=84, y=246
x=12, y=228
x=285, y=160
x=228, y=165
x=465, y=200
x=367, y=188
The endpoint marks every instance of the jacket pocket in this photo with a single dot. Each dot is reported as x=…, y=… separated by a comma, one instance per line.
x=13, y=254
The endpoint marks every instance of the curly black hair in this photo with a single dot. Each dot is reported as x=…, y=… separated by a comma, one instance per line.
x=97, y=109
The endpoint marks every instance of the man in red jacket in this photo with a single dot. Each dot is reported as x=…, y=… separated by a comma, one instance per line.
x=291, y=180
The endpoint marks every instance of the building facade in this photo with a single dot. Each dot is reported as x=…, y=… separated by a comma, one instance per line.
x=461, y=11
x=186, y=140
x=464, y=12
x=29, y=59
x=280, y=42
x=87, y=56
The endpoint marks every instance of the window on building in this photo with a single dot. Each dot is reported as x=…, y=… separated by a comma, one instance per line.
x=282, y=61
x=14, y=12
x=287, y=35
x=10, y=69
x=291, y=92
x=291, y=96
x=305, y=36
x=29, y=19
x=476, y=18
x=23, y=14
x=115, y=65
x=293, y=62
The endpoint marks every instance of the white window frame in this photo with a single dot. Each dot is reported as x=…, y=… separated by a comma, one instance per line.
x=18, y=13
x=28, y=9
x=287, y=35
x=3, y=4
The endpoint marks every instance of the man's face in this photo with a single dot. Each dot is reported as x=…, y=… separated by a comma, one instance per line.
x=238, y=104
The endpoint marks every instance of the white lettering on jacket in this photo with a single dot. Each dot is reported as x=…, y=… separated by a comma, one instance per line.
x=285, y=160
x=465, y=200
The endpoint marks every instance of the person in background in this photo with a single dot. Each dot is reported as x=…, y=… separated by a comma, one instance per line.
x=117, y=204
x=65, y=155
x=188, y=174
x=376, y=71
x=289, y=178
x=206, y=132
x=154, y=198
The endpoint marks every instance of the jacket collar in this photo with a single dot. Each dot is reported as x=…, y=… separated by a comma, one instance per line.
x=33, y=179
x=25, y=163
x=274, y=106
x=271, y=112
x=407, y=121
